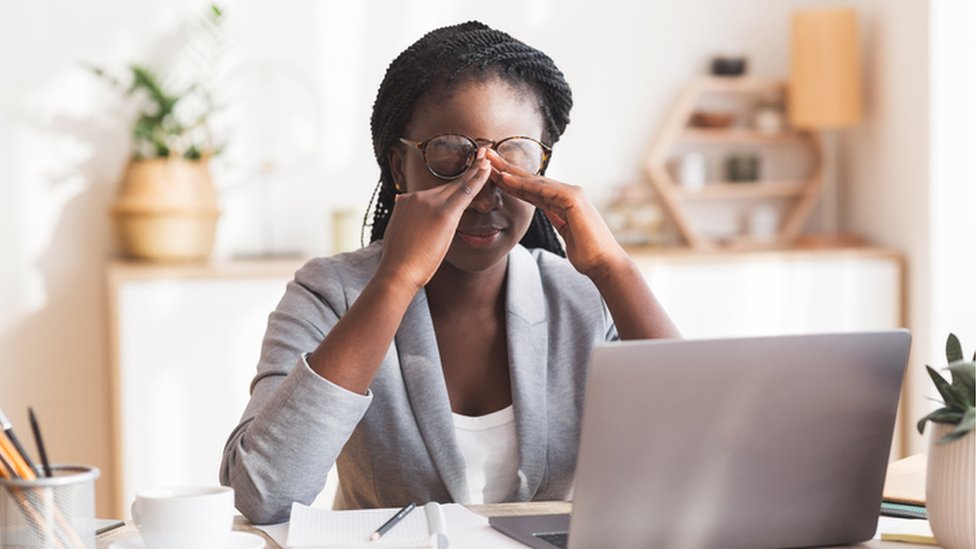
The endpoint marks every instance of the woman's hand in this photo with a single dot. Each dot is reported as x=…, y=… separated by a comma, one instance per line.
x=590, y=246
x=592, y=249
x=423, y=224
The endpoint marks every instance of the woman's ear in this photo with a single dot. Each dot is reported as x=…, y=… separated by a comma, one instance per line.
x=397, y=170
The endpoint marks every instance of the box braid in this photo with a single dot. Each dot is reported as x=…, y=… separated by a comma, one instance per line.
x=443, y=59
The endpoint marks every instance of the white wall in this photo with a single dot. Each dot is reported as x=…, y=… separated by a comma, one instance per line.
x=627, y=61
x=886, y=184
x=952, y=172
x=910, y=181
x=63, y=141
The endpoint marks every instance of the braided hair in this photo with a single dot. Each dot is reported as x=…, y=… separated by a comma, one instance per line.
x=443, y=59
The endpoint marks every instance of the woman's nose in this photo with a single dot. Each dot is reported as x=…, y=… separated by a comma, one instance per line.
x=488, y=198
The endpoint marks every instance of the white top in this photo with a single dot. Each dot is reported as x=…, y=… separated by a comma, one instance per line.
x=490, y=451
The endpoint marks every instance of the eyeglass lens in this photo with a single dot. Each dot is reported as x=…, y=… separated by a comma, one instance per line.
x=450, y=155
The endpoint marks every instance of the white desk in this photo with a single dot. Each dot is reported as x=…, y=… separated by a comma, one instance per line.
x=493, y=510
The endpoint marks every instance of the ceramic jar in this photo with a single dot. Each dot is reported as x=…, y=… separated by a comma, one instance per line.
x=950, y=486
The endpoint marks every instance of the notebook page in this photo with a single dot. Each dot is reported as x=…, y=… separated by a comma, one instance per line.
x=311, y=527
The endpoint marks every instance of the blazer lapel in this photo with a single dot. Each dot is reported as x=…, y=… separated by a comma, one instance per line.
x=421, y=366
x=528, y=338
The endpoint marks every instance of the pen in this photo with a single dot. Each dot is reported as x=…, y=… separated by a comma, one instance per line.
x=39, y=442
x=392, y=522
x=8, y=428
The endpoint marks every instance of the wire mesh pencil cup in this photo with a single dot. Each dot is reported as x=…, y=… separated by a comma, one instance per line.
x=49, y=513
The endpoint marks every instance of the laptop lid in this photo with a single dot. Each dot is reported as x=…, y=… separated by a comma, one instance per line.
x=756, y=442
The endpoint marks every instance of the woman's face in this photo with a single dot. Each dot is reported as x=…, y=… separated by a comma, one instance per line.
x=493, y=110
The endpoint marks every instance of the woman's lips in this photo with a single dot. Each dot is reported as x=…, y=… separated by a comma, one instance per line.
x=480, y=238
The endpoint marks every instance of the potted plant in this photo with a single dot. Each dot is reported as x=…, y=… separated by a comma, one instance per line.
x=166, y=207
x=951, y=476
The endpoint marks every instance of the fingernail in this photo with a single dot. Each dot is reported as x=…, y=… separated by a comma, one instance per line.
x=481, y=152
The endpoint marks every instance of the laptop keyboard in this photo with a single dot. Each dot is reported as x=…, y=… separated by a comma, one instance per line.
x=556, y=539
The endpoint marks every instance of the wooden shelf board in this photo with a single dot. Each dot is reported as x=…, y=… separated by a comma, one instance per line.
x=720, y=136
x=748, y=244
x=715, y=252
x=762, y=189
x=739, y=84
x=122, y=269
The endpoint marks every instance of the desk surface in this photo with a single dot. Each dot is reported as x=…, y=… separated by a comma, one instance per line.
x=492, y=510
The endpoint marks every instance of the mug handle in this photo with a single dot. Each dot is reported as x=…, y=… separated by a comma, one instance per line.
x=136, y=516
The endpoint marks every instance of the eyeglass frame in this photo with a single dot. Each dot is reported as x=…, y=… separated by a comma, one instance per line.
x=493, y=145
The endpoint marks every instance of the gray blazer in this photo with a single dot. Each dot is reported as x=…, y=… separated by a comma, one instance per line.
x=396, y=444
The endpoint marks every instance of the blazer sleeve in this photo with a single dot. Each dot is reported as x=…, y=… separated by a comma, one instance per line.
x=296, y=421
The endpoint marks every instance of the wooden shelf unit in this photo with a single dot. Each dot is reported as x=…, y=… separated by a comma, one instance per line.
x=801, y=193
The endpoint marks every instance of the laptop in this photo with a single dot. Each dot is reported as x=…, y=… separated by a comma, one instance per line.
x=754, y=442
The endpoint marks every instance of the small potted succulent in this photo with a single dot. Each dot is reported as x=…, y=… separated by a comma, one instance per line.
x=950, y=486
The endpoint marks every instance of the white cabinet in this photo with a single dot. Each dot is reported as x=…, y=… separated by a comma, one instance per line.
x=185, y=343
x=782, y=292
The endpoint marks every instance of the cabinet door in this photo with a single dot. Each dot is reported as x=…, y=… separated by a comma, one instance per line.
x=768, y=295
x=187, y=351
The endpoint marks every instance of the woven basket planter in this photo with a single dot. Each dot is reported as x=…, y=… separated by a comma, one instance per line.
x=166, y=210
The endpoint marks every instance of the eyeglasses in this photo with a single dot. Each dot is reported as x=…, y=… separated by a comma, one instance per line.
x=449, y=155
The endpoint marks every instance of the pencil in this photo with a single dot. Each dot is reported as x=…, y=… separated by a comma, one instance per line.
x=39, y=442
x=8, y=428
x=392, y=522
x=7, y=471
x=21, y=468
x=26, y=498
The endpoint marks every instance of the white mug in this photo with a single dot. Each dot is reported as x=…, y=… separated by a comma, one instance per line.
x=184, y=518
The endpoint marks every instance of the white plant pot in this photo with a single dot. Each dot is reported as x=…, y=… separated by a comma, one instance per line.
x=950, y=489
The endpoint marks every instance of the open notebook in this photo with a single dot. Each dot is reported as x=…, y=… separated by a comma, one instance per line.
x=424, y=527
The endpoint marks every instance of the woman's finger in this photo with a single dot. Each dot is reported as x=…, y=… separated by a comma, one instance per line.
x=540, y=192
x=503, y=165
x=558, y=223
x=462, y=191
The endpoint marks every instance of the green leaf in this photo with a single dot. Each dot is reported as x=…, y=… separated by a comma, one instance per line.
x=144, y=79
x=941, y=415
x=949, y=437
x=968, y=422
x=955, y=396
x=953, y=349
x=964, y=427
x=941, y=384
x=951, y=417
x=100, y=72
x=964, y=380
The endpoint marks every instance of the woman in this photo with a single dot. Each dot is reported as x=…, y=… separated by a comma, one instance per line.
x=445, y=361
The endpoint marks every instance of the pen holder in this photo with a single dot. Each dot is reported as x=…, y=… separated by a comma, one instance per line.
x=50, y=513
